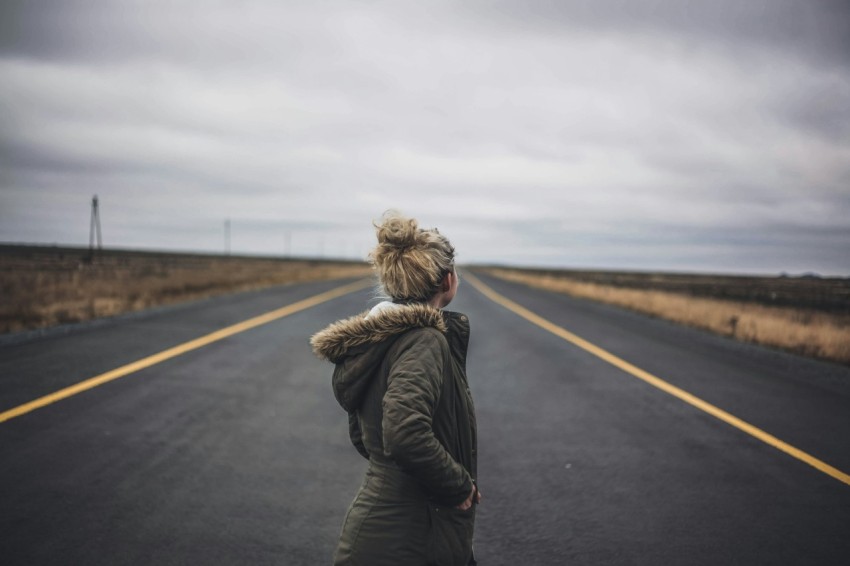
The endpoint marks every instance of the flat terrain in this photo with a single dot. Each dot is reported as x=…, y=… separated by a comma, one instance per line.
x=236, y=452
x=809, y=315
x=43, y=286
x=809, y=291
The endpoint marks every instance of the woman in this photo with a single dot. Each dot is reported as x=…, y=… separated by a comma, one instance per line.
x=401, y=375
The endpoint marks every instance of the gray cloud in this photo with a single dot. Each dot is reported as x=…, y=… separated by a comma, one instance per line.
x=641, y=135
x=817, y=31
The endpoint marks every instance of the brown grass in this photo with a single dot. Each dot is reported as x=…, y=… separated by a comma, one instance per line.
x=41, y=287
x=805, y=331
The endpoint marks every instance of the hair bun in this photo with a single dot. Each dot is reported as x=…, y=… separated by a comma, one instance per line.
x=410, y=263
x=397, y=231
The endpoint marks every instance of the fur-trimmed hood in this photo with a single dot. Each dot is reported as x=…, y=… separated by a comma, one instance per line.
x=358, y=345
x=340, y=338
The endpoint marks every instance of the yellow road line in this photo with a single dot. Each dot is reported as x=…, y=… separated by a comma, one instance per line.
x=658, y=382
x=182, y=349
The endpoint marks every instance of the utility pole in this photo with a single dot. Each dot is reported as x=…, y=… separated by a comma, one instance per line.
x=94, y=228
x=227, y=237
x=288, y=247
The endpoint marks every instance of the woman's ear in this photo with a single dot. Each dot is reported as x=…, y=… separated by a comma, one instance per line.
x=446, y=285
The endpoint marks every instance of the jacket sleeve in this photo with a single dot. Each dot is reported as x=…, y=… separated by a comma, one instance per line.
x=356, y=434
x=413, y=391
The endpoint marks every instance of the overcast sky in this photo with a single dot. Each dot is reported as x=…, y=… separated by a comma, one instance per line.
x=646, y=135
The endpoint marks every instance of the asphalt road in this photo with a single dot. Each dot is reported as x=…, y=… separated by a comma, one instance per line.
x=236, y=452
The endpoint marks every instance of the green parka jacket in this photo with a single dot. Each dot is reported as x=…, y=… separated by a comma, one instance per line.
x=401, y=376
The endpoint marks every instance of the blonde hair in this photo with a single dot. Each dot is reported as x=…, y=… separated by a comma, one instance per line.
x=410, y=262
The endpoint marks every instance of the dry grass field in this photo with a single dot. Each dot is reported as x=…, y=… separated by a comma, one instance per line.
x=805, y=315
x=46, y=286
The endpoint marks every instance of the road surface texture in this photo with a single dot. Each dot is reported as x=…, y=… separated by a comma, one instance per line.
x=235, y=452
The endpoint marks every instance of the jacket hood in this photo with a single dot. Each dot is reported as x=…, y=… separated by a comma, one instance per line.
x=357, y=345
x=342, y=338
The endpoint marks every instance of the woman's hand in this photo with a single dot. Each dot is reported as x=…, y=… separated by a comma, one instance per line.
x=473, y=495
